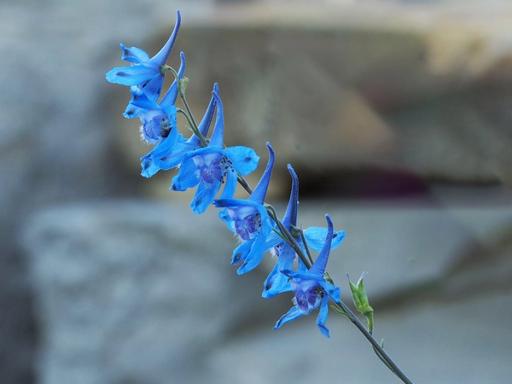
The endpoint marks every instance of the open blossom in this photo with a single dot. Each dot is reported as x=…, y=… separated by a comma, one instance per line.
x=249, y=220
x=277, y=282
x=311, y=290
x=169, y=152
x=159, y=118
x=145, y=73
x=210, y=167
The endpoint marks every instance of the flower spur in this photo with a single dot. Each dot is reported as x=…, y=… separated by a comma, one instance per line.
x=145, y=73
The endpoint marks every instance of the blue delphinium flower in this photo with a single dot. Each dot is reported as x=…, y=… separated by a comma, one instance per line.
x=170, y=151
x=277, y=282
x=249, y=220
x=211, y=166
x=145, y=73
x=159, y=119
x=311, y=289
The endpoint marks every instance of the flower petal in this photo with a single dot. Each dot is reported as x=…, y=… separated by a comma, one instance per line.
x=254, y=256
x=134, y=75
x=260, y=191
x=204, y=196
x=133, y=54
x=155, y=160
x=161, y=56
x=315, y=236
x=292, y=314
x=322, y=316
x=332, y=291
x=275, y=283
x=244, y=159
x=187, y=176
x=230, y=187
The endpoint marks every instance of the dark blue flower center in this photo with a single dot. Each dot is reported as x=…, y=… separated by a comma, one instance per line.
x=155, y=125
x=247, y=223
x=212, y=167
x=308, y=295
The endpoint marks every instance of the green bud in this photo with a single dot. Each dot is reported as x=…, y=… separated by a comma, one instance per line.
x=361, y=301
x=183, y=85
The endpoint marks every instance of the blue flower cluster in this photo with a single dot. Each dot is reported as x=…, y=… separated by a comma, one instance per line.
x=205, y=164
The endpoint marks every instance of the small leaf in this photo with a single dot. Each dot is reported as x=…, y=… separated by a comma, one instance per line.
x=361, y=302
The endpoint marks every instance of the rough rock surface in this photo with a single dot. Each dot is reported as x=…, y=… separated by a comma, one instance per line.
x=137, y=292
x=133, y=293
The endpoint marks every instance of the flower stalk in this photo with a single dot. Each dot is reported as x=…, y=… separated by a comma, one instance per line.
x=205, y=163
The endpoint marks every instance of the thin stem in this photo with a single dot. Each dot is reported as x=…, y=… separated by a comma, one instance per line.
x=303, y=238
x=376, y=346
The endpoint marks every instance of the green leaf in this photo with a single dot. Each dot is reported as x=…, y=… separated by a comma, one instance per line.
x=361, y=302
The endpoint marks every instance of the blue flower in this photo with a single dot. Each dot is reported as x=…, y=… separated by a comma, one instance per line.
x=210, y=167
x=145, y=73
x=159, y=119
x=277, y=282
x=311, y=290
x=169, y=152
x=249, y=220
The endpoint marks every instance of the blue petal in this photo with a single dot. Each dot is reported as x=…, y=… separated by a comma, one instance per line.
x=290, y=216
x=230, y=187
x=134, y=75
x=161, y=56
x=275, y=284
x=244, y=159
x=254, y=256
x=133, y=54
x=332, y=291
x=260, y=191
x=292, y=314
x=320, y=263
x=232, y=203
x=204, y=196
x=303, y=275
x=169, y=99
x=152, y=162
x=240, y=253
x=315, y=236
x=322, y=316
x=187, y=176
x=150, y=91
x=273, y=239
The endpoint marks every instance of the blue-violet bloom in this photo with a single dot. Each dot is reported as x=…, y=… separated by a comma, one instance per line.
x=169, y=152
x=311, y=289
x=277, y=282
x=210, y=167
x=249, y=220
x=145, y=75
x=159, y=119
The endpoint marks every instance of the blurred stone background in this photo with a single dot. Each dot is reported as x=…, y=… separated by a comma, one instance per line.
x=396, y=115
